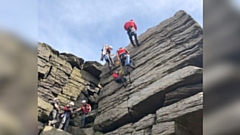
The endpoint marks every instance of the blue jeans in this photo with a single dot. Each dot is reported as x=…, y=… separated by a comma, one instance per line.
x=83, y=120
x=120, y=80
x=125, y=59
x=131, y=34
x=65, y=122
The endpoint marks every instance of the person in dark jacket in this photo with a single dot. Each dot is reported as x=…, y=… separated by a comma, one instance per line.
x=55, y=112
x=131, y=28
x=66, y=116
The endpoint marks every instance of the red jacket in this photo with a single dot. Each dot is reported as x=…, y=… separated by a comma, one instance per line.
x=86, y=109
x=130, y=23
x=121, y=51
x=115, y=75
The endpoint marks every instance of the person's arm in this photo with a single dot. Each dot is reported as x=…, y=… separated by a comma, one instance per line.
x=135, y=26
x=79, y=109
x=118, y=57
x=90, y=108
x=58, y=108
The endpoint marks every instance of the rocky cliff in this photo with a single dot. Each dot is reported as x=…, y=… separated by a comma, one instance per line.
x=70, y=79
x=164, y=95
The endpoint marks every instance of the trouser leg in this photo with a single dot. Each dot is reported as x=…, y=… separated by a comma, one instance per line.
x=131, y=40
x=66, y=123
x=62, y=122
x=111, y=60
x=55, y=117
x=136, y=39
x=83, y=120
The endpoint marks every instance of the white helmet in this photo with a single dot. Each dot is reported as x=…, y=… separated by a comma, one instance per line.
x=111, y=47
x=55, y=99
x=84, y=101
x=71, y=103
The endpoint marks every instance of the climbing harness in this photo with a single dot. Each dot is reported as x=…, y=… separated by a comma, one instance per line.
x=121, y=72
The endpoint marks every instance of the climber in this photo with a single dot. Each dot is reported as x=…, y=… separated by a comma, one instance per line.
x=131, y=29
x=119, y=79
x=85, y=109
x=68, y=110
x=55, y=112
x=124, y=57
x=106, y=54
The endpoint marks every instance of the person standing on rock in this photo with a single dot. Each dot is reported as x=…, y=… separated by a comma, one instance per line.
x=55, y=112
x=131, y=28
x=66, y=116
x=108, y=56
x=119, y=79
x=85, y=108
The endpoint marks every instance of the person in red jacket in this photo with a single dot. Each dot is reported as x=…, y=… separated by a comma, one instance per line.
x=85, y=108
x=122, y=55
x=131, y=29
x=119, y=79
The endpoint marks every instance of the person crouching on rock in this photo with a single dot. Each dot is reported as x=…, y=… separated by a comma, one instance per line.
x=118, y=78
x=66, y=116
x=85, y=108
x=55, y=112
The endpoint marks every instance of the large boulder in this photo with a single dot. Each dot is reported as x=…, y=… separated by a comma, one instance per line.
x=81, y=131
x=141, y=102
x=44, y=110
x=87, y=76
x=93, y=67
x=169, y=128
x=40, y=127
x=73, y=60
x=48, y=130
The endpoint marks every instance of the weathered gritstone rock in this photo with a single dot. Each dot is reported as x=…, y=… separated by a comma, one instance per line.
x=162, y=97
x=62, y=76
x=181, y=93
x=72, y=59
x=159, y=60
x=48, y=130
x=44, y=109
x=93, y=68
x=183, y=107
x=81, y=131
x=139, y=103
x=187, y=112
x=143, y=126
x=40, y=127
x=168, y=69
x=87, y=76
x=160, y=50
x=169, y=128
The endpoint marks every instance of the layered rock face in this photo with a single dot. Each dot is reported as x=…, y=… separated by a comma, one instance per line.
x=165, y=92
x=69, y=78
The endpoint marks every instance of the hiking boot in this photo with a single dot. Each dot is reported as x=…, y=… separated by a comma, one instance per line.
x=138, y=44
